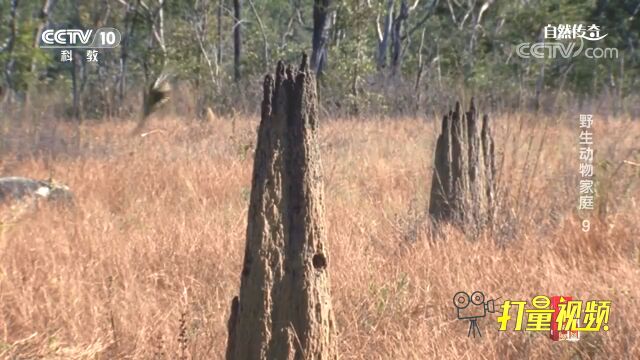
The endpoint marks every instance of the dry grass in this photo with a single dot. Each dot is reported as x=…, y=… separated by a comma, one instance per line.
x=147, y=263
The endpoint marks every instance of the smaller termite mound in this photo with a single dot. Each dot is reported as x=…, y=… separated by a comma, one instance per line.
x=463, y=187
x=284, y=307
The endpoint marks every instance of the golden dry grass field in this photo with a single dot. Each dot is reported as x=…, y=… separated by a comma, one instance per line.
x=146, y=263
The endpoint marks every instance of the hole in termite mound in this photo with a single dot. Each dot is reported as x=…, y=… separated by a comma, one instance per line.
x=319, y=261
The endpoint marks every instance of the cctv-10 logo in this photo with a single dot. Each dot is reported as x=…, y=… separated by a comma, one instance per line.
x=105, y=37
x=560, y=316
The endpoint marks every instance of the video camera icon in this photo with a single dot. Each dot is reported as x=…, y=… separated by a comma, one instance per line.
x=473, y=308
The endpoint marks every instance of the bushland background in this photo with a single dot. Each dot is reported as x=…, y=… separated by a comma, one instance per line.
x=381, y=57
x=146, y=262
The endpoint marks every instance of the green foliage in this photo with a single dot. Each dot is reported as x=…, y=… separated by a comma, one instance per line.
x=458, y=51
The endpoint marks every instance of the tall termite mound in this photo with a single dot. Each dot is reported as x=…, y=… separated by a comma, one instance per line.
x=463, y=187
x=284, y=307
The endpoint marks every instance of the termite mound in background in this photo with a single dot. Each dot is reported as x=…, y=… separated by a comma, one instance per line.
x=284, y=307
x=463, y=186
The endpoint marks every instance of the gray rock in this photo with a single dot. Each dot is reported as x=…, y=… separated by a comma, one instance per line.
x=19, y=188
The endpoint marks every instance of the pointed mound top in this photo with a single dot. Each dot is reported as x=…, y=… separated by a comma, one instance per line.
x=279, y=73
x=304, y=65
x=267, y=87
x=485, y=123
x=289, y=72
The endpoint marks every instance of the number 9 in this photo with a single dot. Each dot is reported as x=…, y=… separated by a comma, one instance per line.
x=586, y=225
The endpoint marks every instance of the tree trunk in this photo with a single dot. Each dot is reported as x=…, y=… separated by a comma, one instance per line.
x=383, y=40
x=237, y=39
x=129, y=19
x=396, y=38
x=265, y=42
x=418, y=87
x=43, y=22
x=284, y=307
x=8, y=47
x=75, y=84
x=321, y=25
x=219, y=48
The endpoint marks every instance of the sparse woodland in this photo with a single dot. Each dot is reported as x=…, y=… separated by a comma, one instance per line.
x=403, y=57
x=216, y=209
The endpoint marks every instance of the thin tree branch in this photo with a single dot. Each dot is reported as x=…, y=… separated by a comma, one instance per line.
x=265, y=54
